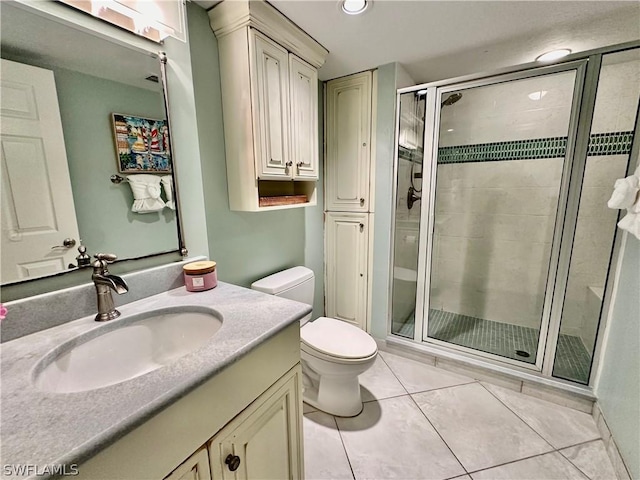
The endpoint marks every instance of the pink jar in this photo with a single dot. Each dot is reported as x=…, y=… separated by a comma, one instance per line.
x=199, y=276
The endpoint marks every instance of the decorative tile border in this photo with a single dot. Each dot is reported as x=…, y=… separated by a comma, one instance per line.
x=613, y=143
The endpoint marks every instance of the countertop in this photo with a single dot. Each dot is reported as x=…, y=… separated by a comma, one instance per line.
x=43, y=428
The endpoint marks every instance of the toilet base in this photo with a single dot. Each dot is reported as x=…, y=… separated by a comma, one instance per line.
x=336, y=395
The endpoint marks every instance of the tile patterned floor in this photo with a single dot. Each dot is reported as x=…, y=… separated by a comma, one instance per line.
x=572, y=363
x=421, y=422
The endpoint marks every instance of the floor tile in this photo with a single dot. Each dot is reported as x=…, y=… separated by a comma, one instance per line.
x=560, y=426
x=480, y=430
x=324, y=455
x=551, y=466
x=306, y=408
x=592, y=459
x=379, y=382
x=418, y=377
x=391, y=439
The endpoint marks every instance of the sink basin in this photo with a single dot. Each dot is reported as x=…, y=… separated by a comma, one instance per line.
x=126, y=348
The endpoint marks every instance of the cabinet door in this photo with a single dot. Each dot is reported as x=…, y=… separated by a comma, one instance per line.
x=270, y=90
x=303, y=84
x=196, y=467
x=346, y=266
x=265, y=440
x=348, y=134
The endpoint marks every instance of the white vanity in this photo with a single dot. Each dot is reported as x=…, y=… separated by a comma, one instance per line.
x=231, y=408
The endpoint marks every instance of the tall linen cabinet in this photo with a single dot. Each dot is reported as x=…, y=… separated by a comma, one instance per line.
x=349, y=203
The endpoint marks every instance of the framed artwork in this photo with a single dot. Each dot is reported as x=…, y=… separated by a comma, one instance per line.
x=142, y=144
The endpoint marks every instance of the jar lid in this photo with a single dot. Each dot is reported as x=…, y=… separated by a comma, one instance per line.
x=199, y=268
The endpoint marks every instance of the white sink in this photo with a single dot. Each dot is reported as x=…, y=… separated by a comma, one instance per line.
x=125, y=349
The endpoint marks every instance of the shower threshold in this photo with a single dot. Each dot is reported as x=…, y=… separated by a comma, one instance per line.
x=504, y=339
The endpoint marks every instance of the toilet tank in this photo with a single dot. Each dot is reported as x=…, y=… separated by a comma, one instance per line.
x=296, y=283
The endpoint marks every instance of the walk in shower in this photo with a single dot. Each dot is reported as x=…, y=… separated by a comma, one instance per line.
x=503, y=239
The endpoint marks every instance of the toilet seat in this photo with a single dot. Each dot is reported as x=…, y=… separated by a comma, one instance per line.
x=337, y=341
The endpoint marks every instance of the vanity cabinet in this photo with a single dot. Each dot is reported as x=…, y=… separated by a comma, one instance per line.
x=196, y=467
x=251, y=410
x=261, y=442
x=269, y=81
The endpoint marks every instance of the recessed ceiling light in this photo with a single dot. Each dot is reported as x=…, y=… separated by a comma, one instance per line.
x=450, y=130
x=553, y=55
x=354, y=7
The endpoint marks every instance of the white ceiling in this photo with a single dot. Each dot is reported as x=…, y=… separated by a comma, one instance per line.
x=434, y=40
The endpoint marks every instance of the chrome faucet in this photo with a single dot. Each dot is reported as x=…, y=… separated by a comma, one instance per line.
x=105, y=282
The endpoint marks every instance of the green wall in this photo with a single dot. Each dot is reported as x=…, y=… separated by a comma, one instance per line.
x=618, y=386
x=246, y=246
x=383, y=225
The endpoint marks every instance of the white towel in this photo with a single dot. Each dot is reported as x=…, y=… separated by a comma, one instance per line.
x=167, y=185
x=625, y=195
x=146, y=193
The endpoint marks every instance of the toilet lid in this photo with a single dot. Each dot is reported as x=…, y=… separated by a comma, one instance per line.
x=337, y=339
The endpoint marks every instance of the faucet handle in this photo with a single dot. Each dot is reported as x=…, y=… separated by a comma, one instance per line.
x=107, y=257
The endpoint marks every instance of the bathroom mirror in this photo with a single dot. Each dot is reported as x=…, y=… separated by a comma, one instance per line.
x=61, y=86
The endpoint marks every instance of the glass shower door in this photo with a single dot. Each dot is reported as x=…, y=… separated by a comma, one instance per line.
x=497, y=185
x=410, y=135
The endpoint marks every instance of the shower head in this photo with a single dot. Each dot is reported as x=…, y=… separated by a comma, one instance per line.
x=451, y=99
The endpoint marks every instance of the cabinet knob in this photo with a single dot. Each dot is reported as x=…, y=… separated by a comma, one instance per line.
x=362, y=227
x=233, y=461
x=362, y=202
x=300, y=164
x=288, y=164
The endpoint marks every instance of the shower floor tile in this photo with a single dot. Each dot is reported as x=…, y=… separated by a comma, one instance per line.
x=572, y=362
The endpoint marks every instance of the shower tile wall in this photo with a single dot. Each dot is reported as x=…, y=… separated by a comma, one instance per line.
x=494, y=224
x=494, y=220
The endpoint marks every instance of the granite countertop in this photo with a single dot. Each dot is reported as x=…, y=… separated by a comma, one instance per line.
x=43, y=428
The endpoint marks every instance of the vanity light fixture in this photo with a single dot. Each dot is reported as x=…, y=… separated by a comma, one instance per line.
x=553, y=55
x=354, y=7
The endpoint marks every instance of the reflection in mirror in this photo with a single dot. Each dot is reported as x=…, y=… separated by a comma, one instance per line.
x=60, y=89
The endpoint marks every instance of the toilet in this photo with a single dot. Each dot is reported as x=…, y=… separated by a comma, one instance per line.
x=333, y=352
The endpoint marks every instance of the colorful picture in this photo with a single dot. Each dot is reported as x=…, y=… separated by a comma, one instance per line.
x=142, y=144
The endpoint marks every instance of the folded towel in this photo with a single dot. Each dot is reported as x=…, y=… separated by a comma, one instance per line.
x=146, y=193
x=167, y=184
x=626, y=195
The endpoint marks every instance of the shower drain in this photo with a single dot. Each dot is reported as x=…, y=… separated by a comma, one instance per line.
x=522, y=353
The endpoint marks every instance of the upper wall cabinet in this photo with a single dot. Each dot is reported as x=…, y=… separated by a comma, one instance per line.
x=268, y=72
